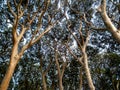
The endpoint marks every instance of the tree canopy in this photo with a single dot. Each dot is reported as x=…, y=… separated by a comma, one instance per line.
x=59, y=44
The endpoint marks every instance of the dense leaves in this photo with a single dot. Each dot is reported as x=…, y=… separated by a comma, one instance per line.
x=103, y=50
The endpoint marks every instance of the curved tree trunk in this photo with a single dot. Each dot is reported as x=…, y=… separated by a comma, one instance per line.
x=107, y=21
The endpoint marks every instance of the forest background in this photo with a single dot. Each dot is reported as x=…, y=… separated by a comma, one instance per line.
x=59, y=44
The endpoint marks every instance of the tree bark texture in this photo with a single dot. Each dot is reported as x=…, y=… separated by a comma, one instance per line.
x=107, y=21
x=80, y=76
x=60, y=74
x=8, y=76
x=87, y=71
x=44, y=82
x=13, y=63
x=60, y=83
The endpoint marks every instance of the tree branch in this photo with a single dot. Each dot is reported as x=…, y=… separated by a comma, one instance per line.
x=80, y=46
x=99, y=29
x=80, y=60
x=57, y=63
x=48, y=68
x=80, y=32
x=107, y=21
x=22, y=32
x=10, y=9
x=63, y=68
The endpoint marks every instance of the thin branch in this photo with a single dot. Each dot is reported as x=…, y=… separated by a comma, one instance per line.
x=70, y=51
x=20, y=12
x=10, y=9
x=42, y=34
x=92, y=26
x=26, y=5
x=56, y=60
x=77, y=12
x=31, y=42
x=48, y=68
x=40, y=24
x=25, y=47
x=99, y=29
x=80, y=32
x=41, y=64
x=87, y=39
x=63, y=68
x=80, y=46
x=20, y=2
x=86, y=21
x=22, y=32
x=15, y=3
x=42, y=13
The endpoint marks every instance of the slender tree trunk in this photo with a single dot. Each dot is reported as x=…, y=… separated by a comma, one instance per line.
x=60, y=83
x=8, y=76
x=44, y=82
x=80, y=79
x=60, y=74
x=118, y=84
x=87, y=71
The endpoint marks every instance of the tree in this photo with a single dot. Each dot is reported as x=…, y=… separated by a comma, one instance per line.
x=42, y=65
x=82, y=42
x=23, y=18
x=60, y=71
x=77, y=20
x=109, y=22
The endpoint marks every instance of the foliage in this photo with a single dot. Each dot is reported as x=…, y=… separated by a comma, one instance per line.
x=105, y=70
x=103, y=50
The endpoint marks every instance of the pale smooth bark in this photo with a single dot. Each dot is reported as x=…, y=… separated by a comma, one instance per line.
x=87, y=72
x=15, y=55
x=8, y=76
x=83, y=60
x=107, y=21
x=13, y=62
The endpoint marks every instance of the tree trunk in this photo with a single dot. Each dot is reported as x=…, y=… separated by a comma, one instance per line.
x=13, y=62
x=44, y=82
x=60, y=83
x=107, y=21
x=60, y=74
x=87, y=71
x=8, y=76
